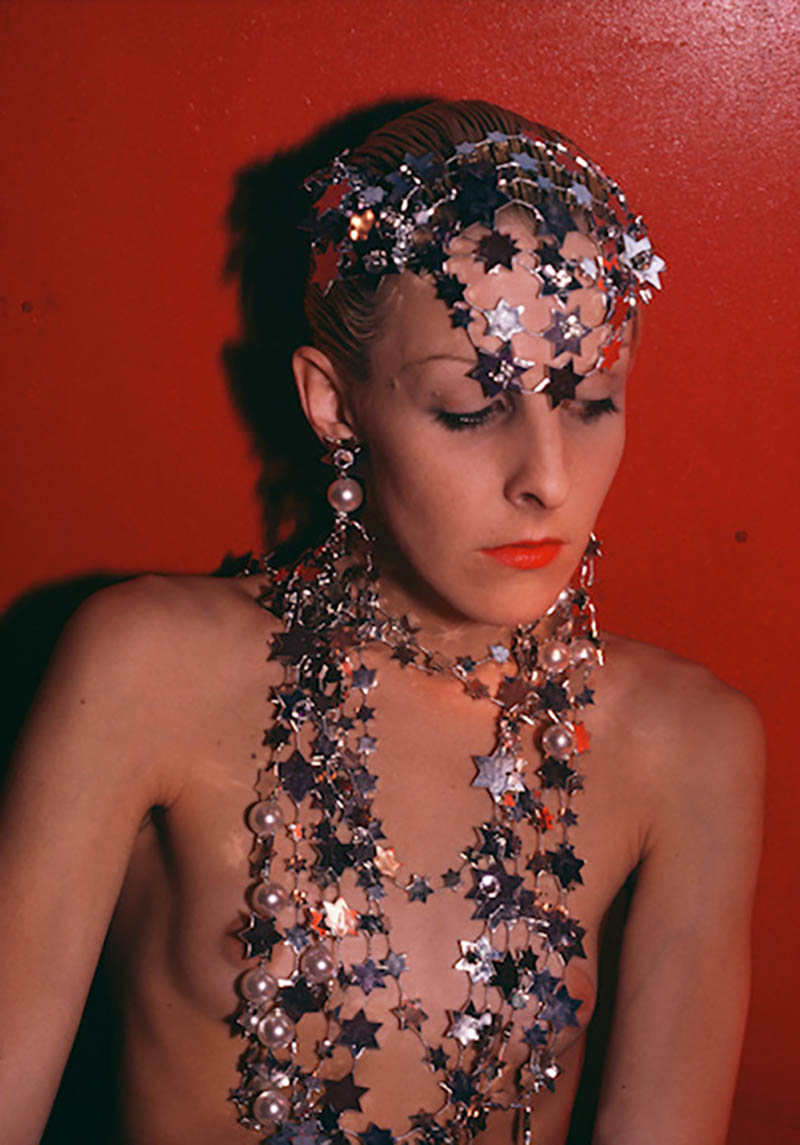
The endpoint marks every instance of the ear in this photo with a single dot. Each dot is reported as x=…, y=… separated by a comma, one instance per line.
x=323, y=394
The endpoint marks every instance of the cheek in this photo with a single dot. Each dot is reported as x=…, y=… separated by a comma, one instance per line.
x=594, y=460
x=422, y=485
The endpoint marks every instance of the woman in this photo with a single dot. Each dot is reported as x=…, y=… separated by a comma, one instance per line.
x=428, y=878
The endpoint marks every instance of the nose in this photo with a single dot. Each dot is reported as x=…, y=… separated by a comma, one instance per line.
x=537, y=470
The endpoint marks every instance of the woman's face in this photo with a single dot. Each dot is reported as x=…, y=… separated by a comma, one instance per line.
x=456, y=482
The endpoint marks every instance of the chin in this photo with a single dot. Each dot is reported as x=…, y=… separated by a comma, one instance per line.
x=503, y=603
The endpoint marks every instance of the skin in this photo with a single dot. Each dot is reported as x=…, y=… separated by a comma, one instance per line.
x=128, y=791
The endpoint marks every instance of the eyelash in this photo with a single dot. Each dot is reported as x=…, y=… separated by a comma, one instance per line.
x=588, y=411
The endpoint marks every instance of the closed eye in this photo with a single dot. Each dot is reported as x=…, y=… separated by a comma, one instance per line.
x=591, y=409
x=470, y=420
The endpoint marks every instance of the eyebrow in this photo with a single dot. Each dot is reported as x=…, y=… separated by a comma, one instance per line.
x=439, y=358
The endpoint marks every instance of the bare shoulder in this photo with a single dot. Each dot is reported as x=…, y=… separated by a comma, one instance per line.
x=156, y=620
x=688, y=725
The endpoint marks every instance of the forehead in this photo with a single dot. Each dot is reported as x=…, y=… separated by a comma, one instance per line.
x=509, y=306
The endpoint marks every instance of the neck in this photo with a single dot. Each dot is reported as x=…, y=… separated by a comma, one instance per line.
x=440, y=626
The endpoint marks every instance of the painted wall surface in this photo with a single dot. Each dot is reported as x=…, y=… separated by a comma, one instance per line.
x=122, y=127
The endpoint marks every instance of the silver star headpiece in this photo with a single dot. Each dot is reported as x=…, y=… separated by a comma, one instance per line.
x=367, y=223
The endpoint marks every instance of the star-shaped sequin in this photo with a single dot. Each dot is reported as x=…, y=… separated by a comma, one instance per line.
x=504, y=321
x=478, y=959
x=560, y=1009
x=581, y=194
x=652, y=271
x=297, y=937
x=554, y=773
x=565, y=865
x=300, y=998
x=297, y=776
x=358, y=1034
x=633, y=248
x=506, y=975
x=410, y=1014
x=339, y=918
x=461, y=317
x=496, y=249
x=260, y=936
x=562, y=383
x=535, y=1035
x=364, y=678
x=386, y=861
x=557, y=218
x=513, y=690
x=498, y=774
x=368, y=976
x=480, y=197
x=419, y=889
x=497, y=372
x=293, y=706
x=450, y=289
x=436, y=1058
x=451, y=879
x=563, y=934
x=468, y=1026
x=344, y=1094
x=293, y=645
x=566, y=332
x=395, y=964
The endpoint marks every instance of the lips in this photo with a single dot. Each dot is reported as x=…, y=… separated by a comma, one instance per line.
x=526, y=554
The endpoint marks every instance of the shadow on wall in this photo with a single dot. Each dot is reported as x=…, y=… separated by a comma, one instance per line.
x=269, y=257
x=29, y=631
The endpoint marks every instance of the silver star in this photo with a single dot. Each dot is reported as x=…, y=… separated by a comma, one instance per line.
x=589, y=266
x=395, y=964
x=583, y=196
x=634, y=247
x=499, y=653
x=497, y=773
x=656, y=266
x=364, y=678
x=467, y=1028
x=567, y=332
x=477, y=959
x=524, y=162
x=503, y=321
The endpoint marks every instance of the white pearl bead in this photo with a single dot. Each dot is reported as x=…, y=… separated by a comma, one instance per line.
x=558, y=741
x=258, y=986
x=583, y=652
x=554, y=655
x=276, y=1029
x=317, y=964
x=345, y=495
x=265, y=818
x=270, y=1107
x=269, y=898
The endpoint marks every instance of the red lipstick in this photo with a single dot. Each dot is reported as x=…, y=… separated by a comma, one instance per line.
x=527, y=554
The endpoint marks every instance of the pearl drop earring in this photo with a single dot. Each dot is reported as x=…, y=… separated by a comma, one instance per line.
x=345, y=495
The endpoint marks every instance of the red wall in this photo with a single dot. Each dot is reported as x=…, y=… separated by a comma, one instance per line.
x=122, y=125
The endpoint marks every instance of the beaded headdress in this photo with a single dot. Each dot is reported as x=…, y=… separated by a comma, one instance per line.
x=366, y=224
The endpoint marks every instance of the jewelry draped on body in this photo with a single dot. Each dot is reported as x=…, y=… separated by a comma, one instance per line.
x=322, y=751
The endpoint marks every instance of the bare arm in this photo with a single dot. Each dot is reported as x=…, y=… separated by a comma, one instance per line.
x=87, y=769
x=685, y=975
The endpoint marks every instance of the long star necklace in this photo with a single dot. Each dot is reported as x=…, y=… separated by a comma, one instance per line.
x=321, y=747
